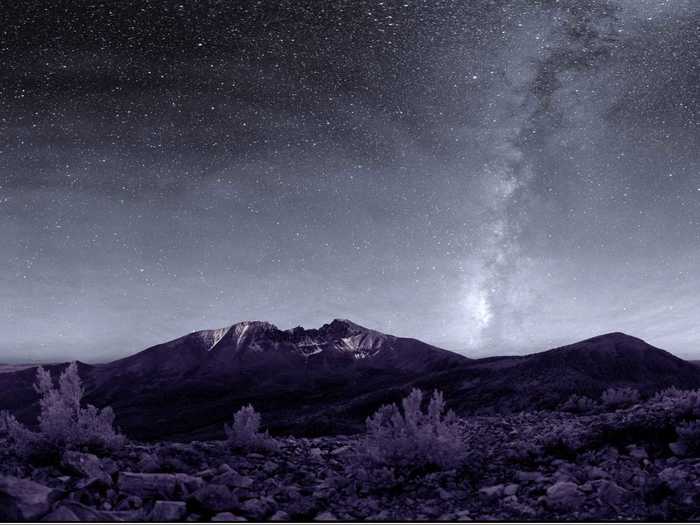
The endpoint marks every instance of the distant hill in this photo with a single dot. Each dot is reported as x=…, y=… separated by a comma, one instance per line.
x=327, y=380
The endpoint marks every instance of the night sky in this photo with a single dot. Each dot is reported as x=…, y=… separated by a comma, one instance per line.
x=489, y=176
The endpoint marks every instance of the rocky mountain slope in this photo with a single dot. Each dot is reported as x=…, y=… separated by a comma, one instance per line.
x=327, y=380
x=538, y=466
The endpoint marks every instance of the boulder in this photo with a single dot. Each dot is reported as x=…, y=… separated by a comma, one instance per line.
x=326, y=516
x=214, y=498
x=597, y=473
x=492, y=492
x=158, y=486
x=637, y=452
x=61, y=514
x=611, y=493
x=255, y=508
x=168, y=511
x=130, y=503
x=86, y=513
x=565, y=496
x=23, y=499
x=270, y=466
x=233, y=479
x=523, y=475
x=85, y=465
x=226, y=516
x=144, y=485
x=148, y=463
x=679, y=449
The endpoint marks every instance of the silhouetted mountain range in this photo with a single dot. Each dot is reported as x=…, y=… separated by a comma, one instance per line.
x=328, y=380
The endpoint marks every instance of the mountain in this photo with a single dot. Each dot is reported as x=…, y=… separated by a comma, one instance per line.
x=545, y=379
x=327, y=380
x=301, y=379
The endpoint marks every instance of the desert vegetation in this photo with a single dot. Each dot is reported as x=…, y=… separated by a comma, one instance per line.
x=64, y=424
x=244, y=433
x=621, y=458
x=412, y=437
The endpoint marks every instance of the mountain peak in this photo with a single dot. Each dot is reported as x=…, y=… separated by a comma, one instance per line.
x=343, y=327
x=616, y=339
x=263, y=326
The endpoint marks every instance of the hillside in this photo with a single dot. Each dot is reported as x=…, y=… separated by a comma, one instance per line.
x=327, y=380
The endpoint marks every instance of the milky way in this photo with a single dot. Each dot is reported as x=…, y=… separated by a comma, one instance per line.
x=488, y=176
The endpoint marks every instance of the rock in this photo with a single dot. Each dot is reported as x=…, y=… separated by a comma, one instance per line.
x=280, y=515
x=678, y=449
x=130, y=503
x=611, y=493
x=214, y=498
x=597, y=473
x=207, y=473
x=233, y=479
x=316, y=453
x=223, y=468
x=326, y=516
x=109, y=466
x=168, y=511
x=637, y=452
x=189, y=483
x=564, y=495
x=158, y=486
x=86, y=465
x=492, y=492
x=511, y=489
x=340, y=450
x=226, y=516
x=522, y=475
x=144, y=485
x=86, y=513
x=255, y=508
x=463, y=515
x=24, y=500
x=61, y=514
x=148, y=463
x=445, y=494
x=270, y=466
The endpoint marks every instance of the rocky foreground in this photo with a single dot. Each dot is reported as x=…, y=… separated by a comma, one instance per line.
x=621, y=465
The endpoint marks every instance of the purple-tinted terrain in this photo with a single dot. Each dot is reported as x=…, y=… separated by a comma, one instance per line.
x=327, y=380
x=600, y=429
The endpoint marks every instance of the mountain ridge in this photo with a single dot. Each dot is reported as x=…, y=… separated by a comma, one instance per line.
x=328, y=379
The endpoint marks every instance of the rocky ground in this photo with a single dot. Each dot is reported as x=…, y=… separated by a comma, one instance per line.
x=622, y=465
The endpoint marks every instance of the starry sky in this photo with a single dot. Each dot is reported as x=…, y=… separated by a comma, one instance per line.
x=490, y=176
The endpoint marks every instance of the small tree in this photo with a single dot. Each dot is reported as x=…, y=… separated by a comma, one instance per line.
x=63, y=423
x=245, y=433
x=415, y=438
x=620, y=397
x=579, y=405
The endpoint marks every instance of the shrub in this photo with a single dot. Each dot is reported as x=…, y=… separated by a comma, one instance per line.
x=245, y=433
x=63, y=423
x=579, y=405
x=689, y=437
x=620, y=397
x=415, y=438
x=20, y=440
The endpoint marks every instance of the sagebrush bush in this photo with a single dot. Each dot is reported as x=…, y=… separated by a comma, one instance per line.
x=579, y=405
x=63, y=423
x=20, y=440
x=416, y=438
x=245, y=432
x=689, y=436
x=620, y=397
